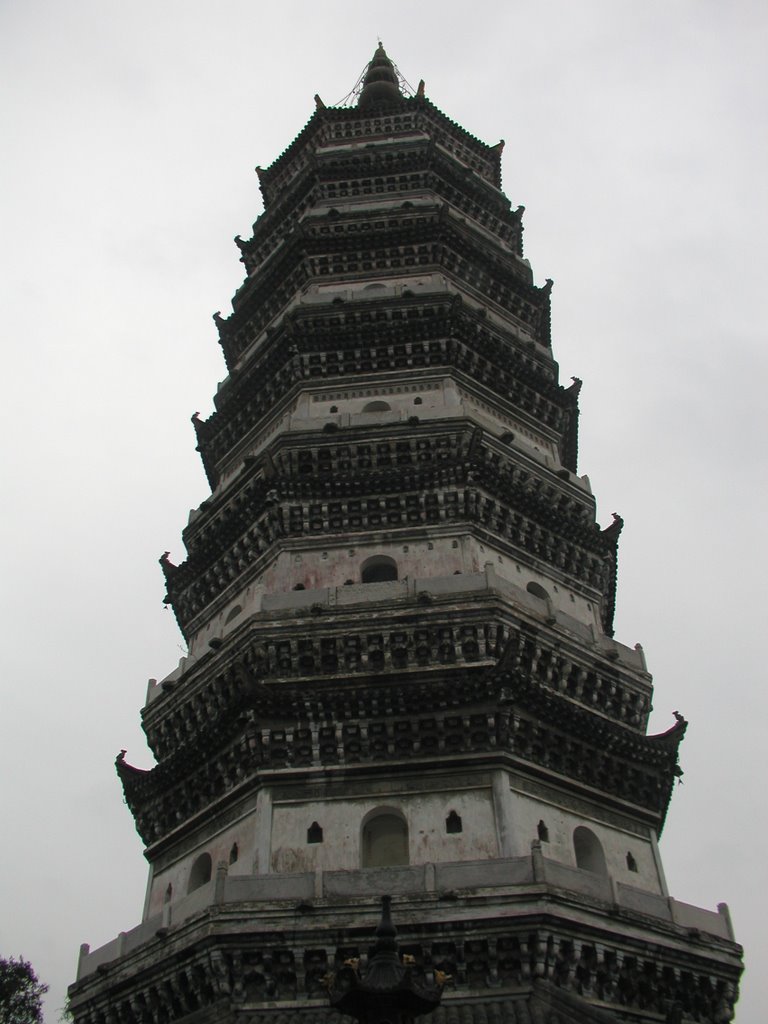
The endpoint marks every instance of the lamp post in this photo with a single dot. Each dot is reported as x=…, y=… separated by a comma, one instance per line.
x=387, y=990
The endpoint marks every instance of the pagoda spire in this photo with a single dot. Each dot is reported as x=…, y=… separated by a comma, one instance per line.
x=380, y=83
x=400, y=674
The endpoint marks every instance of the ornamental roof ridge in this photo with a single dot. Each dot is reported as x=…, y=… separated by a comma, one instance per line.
x=324, y=114
x=264, y=706
x=496, y=149
x=559, y=710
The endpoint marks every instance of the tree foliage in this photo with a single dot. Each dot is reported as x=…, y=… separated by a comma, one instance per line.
x=21, y=994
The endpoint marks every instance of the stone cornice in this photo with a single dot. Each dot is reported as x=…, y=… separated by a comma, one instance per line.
x=430, y=172
x=327, y=125
x=427, y=242
x=466, y=483
x=341, y=348
x=533, y=942
x=474, y=711
x=416, y=641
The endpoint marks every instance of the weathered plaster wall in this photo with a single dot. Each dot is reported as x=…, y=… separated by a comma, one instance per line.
x=332, y=567
x=417, y=560
x=526, y=812
x=428, y=399
x=219, y=846
x=281, y=827
x=342, y=820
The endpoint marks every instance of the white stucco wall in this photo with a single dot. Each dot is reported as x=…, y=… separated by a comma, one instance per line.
x=342, y=821
x=526, y=812
x=274, y=839
x=428, y=398
x=177, y=874
x=332, y=566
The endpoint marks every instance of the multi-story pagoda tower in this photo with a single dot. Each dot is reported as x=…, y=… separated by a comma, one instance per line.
x=401, y=677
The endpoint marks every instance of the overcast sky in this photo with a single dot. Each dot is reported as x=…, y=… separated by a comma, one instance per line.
x=636, y=138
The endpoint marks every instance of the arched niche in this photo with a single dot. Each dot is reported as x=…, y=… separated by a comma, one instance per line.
x=200, y=873
x=384, y=839
x=377, y=406
x=232, y=614
x=543, y=595
x=589, y=851
x=378, y=569
x=453, y=823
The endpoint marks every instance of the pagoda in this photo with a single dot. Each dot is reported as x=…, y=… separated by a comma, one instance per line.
x=401, y=676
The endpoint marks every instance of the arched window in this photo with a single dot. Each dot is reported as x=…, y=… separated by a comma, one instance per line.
x=377, y=406
x=200, y=873
x=233, y=613
x=385, y=840
x=378, y=569
x=453, y=823
x=589, y=852
x=543, y=832
x=168, y=894
x=314, y=833
x=233, y=853
x=631, y=862
x=537, y=590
